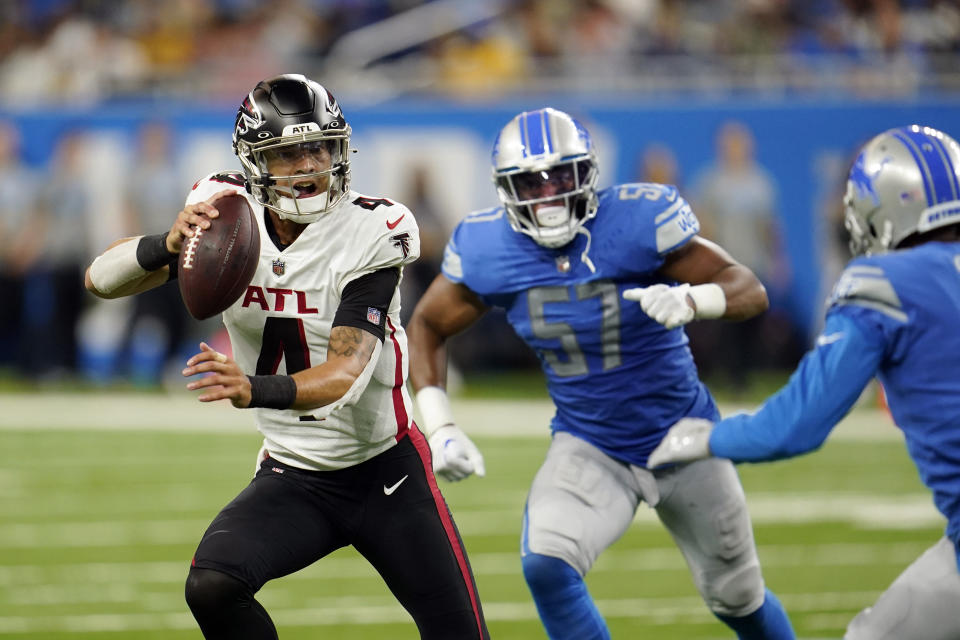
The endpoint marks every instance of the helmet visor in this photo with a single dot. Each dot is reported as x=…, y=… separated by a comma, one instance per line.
x=301, y=167
x=325, y=152
x=545, y=185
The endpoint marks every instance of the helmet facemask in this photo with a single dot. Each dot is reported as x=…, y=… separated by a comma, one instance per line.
x=299, y=193
x=552, y=203
x=865, y=238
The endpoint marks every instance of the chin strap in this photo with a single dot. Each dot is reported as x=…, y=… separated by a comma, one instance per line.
x=583, y=256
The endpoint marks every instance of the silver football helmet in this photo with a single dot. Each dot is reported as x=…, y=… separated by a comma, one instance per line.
x=905, y=181
x=545, y=170
x=294, y=123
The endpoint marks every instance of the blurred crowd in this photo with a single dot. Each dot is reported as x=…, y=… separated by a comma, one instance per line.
x=53, y=219
x=83, y=51
x=51, y=223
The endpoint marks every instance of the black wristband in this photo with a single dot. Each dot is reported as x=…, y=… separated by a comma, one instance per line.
x=152, y=252
x=272, y=392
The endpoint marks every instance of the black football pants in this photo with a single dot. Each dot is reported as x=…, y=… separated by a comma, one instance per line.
x=389, y=508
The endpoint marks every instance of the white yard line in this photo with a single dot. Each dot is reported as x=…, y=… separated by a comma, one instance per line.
x=914, y=511
x=338, y=611
x=346, y=566
x=182, y=412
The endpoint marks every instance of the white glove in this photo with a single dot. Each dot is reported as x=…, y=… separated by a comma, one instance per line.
x=676, y=306
x=455, y=456
x=667, y=305
x=686, y=441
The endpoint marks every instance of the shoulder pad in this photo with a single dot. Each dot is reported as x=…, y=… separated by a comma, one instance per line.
x=650, y=191
x=216, y=182
x=675, y=225
x=484, y=215
x=867, y=285
x=369, y=203
x=674, y=222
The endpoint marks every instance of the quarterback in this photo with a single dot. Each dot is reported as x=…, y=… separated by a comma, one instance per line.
x=320, y=357
x=599, y=284
x=893, y=314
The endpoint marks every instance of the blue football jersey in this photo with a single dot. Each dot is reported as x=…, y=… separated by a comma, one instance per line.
x=895, y=316
x=618, y=378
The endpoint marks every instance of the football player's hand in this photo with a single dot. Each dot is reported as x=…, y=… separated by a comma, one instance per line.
x=686, y=441
x=455, y=457
x=667, y=305
x=192, y=216
x=225, y=380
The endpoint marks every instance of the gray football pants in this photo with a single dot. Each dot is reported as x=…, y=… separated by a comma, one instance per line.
x=582, y=501
x=923, y=603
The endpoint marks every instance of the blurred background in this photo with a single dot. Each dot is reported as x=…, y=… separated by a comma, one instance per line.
x=109, y=111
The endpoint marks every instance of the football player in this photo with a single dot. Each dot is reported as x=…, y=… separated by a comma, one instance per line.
x=599, y=284
x=893, y=314
x=320, y=357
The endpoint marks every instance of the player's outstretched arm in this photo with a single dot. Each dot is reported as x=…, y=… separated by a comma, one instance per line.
x=446, y=309
x=799, y=417
x=132, y=265
x=701, y=261
x=713, y=285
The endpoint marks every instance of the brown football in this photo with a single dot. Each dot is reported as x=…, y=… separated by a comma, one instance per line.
x=216, y=264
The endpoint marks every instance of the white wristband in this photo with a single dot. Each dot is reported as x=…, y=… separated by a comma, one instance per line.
x=710, y=300
x=434, y=409
x=116, y=267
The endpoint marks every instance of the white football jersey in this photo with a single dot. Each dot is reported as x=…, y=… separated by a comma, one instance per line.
x=282, y=325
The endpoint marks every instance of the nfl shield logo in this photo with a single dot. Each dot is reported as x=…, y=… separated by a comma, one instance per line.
x=563, y=264
x=373, y=316
x=279, y=267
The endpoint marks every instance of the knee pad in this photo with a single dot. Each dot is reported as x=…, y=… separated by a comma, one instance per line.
x=207, y=590
x=739, y=592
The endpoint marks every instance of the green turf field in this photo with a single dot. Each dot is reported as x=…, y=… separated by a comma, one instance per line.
x=97, y=527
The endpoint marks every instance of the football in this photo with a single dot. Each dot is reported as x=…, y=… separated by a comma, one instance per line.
x=216, y=264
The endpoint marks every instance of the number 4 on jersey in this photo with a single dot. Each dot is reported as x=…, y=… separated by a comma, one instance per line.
x=372, y=203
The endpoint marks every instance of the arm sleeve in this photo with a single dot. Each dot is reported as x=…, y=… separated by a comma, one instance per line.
x=366, y=300
x=800, y=416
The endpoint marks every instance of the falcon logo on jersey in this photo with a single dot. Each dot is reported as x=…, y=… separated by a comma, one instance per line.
x=373, y=316
x=279, y=267
x=402, y=241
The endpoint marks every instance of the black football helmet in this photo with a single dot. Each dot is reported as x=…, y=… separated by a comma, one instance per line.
x=285, y=118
